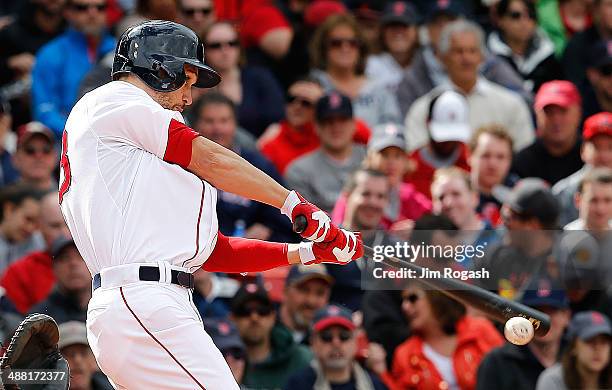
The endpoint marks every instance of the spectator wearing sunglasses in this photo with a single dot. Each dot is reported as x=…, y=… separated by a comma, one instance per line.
x=63, y=62
x=225, y=336
x=254, y=90
x=519, y=42
x=198, y=15
x=36, y=156
x=295, y=135
x=446, y=345
x=338, y=54
x=272, y=355
x=598, y=98
x=334, y=345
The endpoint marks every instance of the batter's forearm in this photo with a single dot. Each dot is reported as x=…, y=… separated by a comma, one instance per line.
x=229, y=172
x=235, y=254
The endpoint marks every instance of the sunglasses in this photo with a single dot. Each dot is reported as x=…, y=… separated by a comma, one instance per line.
x=192, y=11
x=605, y=70
x=85, y=7
x=517, y=15
x=412, y=298
x=31, y=151
x=219, y=45
x=236, y=353
x=303, y=102
x=337, y=43
x=327, y=336
x=261, y=311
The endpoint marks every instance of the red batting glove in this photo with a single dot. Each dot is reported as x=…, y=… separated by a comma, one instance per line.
x=346, y=247
x=319, y=227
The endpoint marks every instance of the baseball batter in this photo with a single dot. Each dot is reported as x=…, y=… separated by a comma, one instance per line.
x=138, y=192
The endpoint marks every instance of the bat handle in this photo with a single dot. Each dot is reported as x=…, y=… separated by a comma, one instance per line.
x=300, y=224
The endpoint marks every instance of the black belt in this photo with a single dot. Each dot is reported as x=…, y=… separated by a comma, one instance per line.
x=151, y=274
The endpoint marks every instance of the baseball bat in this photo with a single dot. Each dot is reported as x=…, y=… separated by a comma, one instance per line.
x=490, y=304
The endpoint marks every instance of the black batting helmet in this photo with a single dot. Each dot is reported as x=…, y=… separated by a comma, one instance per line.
x=157, y=51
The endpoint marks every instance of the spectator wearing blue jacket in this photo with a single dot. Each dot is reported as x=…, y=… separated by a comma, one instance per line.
x=63, y=62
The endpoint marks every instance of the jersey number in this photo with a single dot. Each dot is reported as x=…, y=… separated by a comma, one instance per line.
x=65, y=166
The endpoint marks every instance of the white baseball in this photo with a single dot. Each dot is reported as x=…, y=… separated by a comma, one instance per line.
x=518, y=330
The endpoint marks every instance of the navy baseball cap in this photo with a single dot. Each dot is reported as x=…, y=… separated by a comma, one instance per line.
x=332, y=105
x=600, y=54
x=224, y=334
x=301, y=273
x=250, y=292
x=588, y=324
x=399, y=12
x=332, y=315
x=530, y=197
x=60, y=244
x=387, y=135
x=543, y=292
x=445, y=7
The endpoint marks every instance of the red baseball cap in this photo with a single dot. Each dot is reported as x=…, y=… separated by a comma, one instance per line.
x=318, y=11
x=597, y=124
x=557, y=92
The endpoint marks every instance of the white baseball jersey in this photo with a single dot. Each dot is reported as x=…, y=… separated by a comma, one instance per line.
x=124, y=192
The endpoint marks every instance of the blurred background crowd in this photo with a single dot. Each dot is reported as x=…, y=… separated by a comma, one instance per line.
x=443, y=122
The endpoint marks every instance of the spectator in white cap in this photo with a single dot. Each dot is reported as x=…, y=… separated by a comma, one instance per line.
x=461, y=49
x=84, y=371
x=447, y=122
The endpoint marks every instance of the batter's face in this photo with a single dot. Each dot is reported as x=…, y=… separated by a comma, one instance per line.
x=177, y=100
x=305, y=298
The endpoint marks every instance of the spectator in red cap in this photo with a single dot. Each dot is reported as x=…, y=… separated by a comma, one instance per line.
x=36, y=156
x=596, y=152
x=555, y=154
x=398, y=41
x=338, y=55
x=254, y=90
x=334, y=345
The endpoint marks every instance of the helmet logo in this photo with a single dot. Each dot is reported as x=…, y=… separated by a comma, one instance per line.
x=135, y=50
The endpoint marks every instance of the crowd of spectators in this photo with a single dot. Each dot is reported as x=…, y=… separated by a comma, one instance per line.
x=483, y=123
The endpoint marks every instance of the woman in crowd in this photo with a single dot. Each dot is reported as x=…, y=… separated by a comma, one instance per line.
x=398, y=40
x=586, y=362
x=338, y=55
x=446, y=346
x=256, y=93
x=526, y=48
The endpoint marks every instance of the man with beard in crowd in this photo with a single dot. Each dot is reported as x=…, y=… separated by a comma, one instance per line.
x=272, y=355
x=307, y=289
